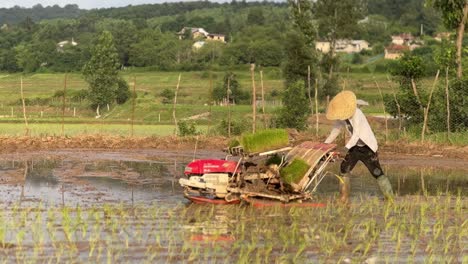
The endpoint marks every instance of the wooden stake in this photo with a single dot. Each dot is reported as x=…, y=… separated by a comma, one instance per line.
x=254, y=98
x=263, y=101
x=309, y=92
x=210, y=102
x=397, y=105
x=63, y=104
x=426, y=109
x=228, y=91
x=448, y=102
x=415, y=91
x=133, y=104
x=384, y=110
x=24, y=110
x=316, y=109
x=174, y=107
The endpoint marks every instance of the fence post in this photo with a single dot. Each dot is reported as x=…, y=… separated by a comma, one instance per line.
x=384, y=110
x=426, y=109
x=228, y=91
x=175, y=103
x=254, y=98
x=316, y=109
x=63, y=104
x=448, y=102
x=397, y=105
x=133, y=104
x=263, y=101
x=24, y=110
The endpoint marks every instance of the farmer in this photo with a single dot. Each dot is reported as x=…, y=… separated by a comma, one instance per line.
x=362, y=146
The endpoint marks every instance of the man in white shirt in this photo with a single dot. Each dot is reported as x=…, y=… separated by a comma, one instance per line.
x=362, y=146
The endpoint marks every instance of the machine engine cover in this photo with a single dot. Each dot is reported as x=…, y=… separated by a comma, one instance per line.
x=200, y=167
x=216, y=182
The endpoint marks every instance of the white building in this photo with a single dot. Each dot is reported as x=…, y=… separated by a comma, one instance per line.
x=343, y=45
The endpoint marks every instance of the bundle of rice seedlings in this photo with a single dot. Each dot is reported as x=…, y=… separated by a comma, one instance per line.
x=264, y=140
x=294, y=171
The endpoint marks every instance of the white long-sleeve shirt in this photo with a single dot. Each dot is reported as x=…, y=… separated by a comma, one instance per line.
x=361, y=131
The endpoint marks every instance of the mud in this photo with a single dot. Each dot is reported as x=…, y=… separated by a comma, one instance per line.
x=27, y=144
x=125, y=205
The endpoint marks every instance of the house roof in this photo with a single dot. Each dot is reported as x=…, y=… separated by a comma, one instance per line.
x=406, y=36
x=193, y=30
x=66, y=42
x=397, y=48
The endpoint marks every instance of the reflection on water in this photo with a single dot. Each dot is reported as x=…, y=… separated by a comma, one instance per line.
x=71, y=182
x=66, y=182
x=405, y=180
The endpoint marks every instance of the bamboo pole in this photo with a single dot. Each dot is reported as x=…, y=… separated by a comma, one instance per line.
x=174, y=107
x=415, y=91
x=426, y=109
x=133, y=105
x=448, y=102
x=316, y=109
x=309, y=91
x=263, y=101
x=63, y=104
x=384, y=110
x=24, y=109
x=397, y=105
x=254, y=98
x=228, y=91
x=210, y=101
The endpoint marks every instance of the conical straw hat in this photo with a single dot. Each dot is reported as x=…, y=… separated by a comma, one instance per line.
x=342, y=106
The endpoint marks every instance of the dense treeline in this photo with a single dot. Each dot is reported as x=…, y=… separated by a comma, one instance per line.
x=145, y=35
x=38, y=12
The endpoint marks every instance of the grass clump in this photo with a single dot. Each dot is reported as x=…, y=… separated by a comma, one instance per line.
x=264, y=140
x=294, y=171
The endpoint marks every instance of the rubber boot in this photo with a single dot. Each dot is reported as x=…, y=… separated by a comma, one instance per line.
x=385, y=187
x=345, y=188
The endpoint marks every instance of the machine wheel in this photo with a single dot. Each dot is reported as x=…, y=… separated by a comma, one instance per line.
x=230, y=197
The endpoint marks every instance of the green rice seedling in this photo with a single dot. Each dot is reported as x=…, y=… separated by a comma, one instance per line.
x=264, y=140
x=294, y=171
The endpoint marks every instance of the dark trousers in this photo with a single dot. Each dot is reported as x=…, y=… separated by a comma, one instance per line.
x=364, y=154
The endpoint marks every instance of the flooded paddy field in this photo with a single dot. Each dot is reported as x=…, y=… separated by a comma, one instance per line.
x=127, y=206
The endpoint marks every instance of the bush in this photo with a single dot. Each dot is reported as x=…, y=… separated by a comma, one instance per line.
x=122, y=94
x=237, y=127
x=187, y=128
x=167, y=96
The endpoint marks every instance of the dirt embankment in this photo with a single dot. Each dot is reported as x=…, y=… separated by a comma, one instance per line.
x=24, y=144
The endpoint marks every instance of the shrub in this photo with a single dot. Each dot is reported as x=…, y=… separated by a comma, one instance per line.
x=187, y=128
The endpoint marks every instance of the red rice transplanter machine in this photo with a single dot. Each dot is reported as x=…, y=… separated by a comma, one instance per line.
x=257, y=177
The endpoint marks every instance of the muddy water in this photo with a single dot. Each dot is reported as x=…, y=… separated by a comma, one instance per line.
x=126, y=207
x=87, y=178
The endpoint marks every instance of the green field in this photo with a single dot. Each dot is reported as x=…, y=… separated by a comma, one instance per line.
x=45, y=108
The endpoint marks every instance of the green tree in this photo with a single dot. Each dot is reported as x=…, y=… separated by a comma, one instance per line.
x=101, y=71
x=407, y=71
x=455, y=16
x=255, y=16
x=295, y=108
x=236, y=95
x=299, y=56
x=301, y=11
x=337, y=20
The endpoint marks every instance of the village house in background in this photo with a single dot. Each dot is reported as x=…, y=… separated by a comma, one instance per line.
x=201, y=35
x=442, y=35
x=400, y=44
x=64, y=43
x=395, y=51
x=343, y=45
